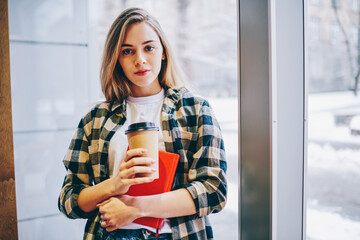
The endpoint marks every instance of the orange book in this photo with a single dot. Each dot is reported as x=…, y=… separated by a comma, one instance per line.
x=167, y=168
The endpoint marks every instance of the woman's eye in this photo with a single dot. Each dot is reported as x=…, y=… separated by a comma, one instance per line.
x=126, y=51
x=149, y=48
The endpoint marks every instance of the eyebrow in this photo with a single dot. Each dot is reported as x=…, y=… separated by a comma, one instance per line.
x=146, y=42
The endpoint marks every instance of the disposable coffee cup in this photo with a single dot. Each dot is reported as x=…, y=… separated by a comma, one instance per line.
x=145, y=135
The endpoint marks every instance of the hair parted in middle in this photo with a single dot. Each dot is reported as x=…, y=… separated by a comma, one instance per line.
x=115, y=86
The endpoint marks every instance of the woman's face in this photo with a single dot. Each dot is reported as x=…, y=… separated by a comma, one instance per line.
x=140, y=58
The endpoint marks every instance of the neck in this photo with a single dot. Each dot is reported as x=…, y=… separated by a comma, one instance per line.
x=146, y=91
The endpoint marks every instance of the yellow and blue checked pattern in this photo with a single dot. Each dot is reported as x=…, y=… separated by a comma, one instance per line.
x=189, y=129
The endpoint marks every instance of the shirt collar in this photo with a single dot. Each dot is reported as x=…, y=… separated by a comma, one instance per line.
x=172, y=97
x=118, y=106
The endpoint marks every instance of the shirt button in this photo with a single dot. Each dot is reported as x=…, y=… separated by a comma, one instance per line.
x=148, y=232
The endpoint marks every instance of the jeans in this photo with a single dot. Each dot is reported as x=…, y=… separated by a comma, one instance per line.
x=136, y=234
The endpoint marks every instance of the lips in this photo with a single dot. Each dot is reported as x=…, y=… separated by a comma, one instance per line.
x=142, y=72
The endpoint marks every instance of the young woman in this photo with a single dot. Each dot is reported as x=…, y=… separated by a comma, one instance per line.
x=142, y=82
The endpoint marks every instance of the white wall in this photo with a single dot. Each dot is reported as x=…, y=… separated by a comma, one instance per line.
x=49, y=52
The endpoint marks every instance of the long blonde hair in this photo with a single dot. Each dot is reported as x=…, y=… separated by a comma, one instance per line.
x=115, y=86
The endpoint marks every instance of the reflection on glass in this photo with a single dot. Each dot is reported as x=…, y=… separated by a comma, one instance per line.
x=333, y=175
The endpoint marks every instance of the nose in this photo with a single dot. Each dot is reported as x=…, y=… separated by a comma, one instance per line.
x=139, y=59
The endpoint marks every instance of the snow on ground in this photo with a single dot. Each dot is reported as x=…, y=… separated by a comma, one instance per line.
x=322, y=110
x=324, y=225
x=326, y=157
x=321, y=127
x=332, y=101
x=331, y=148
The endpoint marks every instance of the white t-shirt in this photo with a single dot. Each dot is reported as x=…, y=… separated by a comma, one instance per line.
x=138, y=109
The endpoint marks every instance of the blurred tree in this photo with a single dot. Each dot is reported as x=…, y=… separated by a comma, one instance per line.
x=355, y=72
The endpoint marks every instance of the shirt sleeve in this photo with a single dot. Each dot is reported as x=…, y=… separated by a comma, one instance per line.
x=77, y=177
x=207, y=180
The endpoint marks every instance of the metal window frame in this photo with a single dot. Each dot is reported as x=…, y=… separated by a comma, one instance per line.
x=272, y=119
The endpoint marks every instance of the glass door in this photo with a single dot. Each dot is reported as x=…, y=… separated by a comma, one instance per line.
x=333, y=69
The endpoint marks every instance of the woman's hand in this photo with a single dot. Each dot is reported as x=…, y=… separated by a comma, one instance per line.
x=114, y=213
x=134, y=163
x=132, y=166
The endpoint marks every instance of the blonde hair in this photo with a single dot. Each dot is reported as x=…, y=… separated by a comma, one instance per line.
x=115, y=86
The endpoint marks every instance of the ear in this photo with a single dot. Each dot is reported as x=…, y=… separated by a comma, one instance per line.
x=163, y=56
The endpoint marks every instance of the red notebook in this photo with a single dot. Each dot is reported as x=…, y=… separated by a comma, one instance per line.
x=167, y=168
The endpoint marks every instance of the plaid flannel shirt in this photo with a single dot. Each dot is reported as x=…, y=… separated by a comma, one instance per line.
x=189, y=129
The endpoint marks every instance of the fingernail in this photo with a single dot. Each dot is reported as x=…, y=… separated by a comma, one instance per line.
x=153, y=169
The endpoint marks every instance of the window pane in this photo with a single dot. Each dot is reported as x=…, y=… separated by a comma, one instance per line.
x=333, y=175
